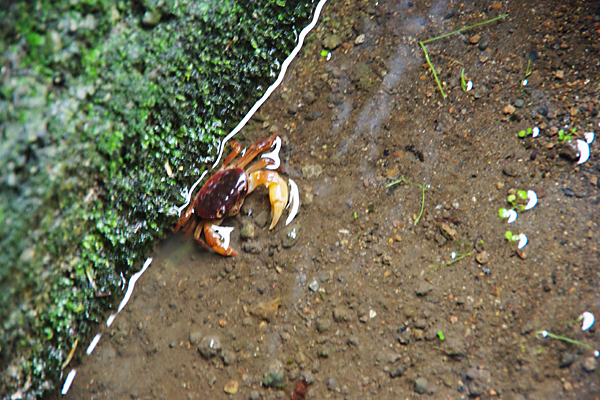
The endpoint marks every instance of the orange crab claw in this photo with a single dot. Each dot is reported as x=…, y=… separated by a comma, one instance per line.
x=215, y=241
x=278, y=191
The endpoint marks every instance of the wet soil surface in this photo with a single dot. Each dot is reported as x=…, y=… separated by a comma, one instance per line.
x=361, y=295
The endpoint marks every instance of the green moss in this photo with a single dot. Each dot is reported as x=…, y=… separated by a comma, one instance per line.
x=85, y=194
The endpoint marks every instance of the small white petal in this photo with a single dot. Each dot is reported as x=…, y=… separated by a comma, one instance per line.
x=294, y=201
x=587, y=320
x=596, y=353
x=589, y=137
x=532, y=199
x=274, y=155
x=512, y=216
x=525, y=82
x=522, y=240
x=584, y=151
x=535, y=131
x=469, y=86
x=545, y=333
x=453, y=255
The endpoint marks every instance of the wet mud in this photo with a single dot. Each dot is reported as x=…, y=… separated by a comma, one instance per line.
x=402, y=291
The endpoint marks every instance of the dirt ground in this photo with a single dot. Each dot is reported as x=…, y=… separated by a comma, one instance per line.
x=354, y=296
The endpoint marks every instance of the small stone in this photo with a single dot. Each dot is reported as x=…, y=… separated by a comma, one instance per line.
x=254, y=395
x=323, y=324
x=314, y=286
x=248, y=231
x=560, y=74
x=310, y=97
x=274, y=375
x=228, y=357
x=195, y=337
x=475, y=39
x=397, y=371
x=293, y=109
x=341, y=314
x=508, y=109
x=360, y=39
x=312, y=171
x=404, y=337
x=448, y=232
x=423, y=288
x=231, y=387
x=291, y=235
x=566, y=359
x=421, y=385
x=253, y=247
x=568, y=151
x=483, y=257
x=519, y=103
x=483, y=44
x=454, y=347
x=211, y=379
x=331, y=42
x=589, y=364
x=331, y=384
x=510, y=170
x=209, y=346
x=567, y=386
x=535, y=79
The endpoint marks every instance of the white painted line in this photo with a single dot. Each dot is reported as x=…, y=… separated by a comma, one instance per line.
x=274, y=86
x=93, y=345
x=129, y=292
x=68, y=382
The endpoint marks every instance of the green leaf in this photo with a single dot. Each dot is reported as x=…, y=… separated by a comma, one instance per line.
x=511, y=198
x=522, y=133
x=441, y=335
x=508, y=235
x=522, y=195
x=503, y=213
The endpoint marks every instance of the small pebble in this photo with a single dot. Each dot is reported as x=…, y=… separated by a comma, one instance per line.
x=421, y=385
x=231, y=387
x=475, y=39
x=589, y=364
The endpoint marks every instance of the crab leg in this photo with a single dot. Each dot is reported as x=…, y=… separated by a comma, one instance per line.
x=237, y=148
x=214, y=240
x=185, y=217
x=278, y=190
x=258, y=147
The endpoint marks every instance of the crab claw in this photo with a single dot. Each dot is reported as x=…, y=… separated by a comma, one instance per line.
x=278, y=191
x=217, y=238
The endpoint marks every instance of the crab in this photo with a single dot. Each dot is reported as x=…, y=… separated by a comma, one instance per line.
x=223, y=194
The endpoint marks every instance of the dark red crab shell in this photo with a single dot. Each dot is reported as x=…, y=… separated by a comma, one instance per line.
x=221, y=193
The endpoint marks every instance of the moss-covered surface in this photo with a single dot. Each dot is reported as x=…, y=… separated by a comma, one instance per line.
x=96, y=98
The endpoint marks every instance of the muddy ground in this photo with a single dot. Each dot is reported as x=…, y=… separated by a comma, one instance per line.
x=357, y=303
